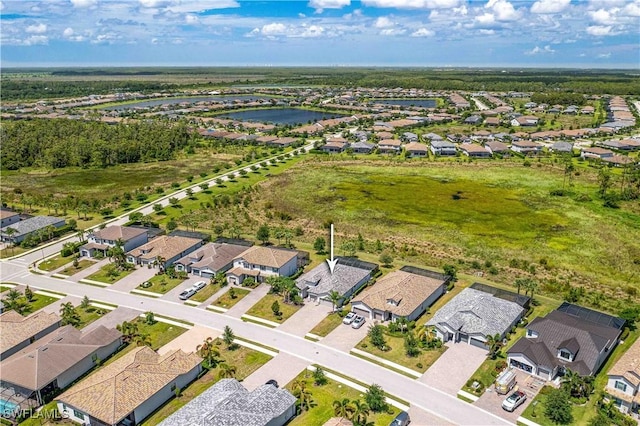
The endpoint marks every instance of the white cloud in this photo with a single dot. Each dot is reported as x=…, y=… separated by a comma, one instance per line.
x=191, y=19
x=549, y=6
x=154, y=3
x=503, y=10
x=602, y=16
x=423, y=32
x=487, y=32
x=632, y=9
x=538, y=50
x=37, y=29
x=604, y=55
x=68, y=32
x=1, y=5
x=320, y=5
x=383, y=22
x=312, y=31
x=485, y=19
x=392, y=31
x=599, y=30
x=83, y=3
x=36, y=39
x=274, y=29
x=413, y=4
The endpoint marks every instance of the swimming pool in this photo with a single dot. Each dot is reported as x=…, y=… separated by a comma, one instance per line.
x=8, y=408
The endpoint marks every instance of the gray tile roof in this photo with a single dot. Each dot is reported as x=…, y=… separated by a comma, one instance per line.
x=32, y=224
x=476, y=312
x=321, y=281
x=214, y=256
x=228, y=403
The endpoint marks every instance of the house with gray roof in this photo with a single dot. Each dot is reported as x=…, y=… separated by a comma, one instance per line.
x=29, y=226
x=210, y=259
x=477, y=313
x=362, y=147
x=231, y=404
x=349, y=275
x=442, y=147
x=571, y=337
x=102, y=240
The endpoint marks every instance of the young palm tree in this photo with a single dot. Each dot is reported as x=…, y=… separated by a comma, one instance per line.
x=335, y=297
x=209, y=353
x=343, y=408
x=69, y=315
x=226, y=371
x=495, y=344
x=142, y=339
x=360, y=411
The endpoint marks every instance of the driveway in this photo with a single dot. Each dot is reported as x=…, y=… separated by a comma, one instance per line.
x=454, y=367
x=248, y=301
x=344, y=337
x=134, y=279
x=283, y=368
x=115, y=317
x=189, y=340
x=305, y=319
x=491, y=401
x=188, y=283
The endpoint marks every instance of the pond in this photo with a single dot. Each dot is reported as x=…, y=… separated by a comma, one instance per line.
x=425, y=103
x=189, y=99
x=281, y=115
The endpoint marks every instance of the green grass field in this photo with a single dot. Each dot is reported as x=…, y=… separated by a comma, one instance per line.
x=103, y=277
x=205, y=293
x=161, y=284
x=262, y=309
x=71, y=270
x=327, y=325
x=55, y=263
x=227, y=302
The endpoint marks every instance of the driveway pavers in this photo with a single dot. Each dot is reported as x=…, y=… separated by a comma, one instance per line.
x=189, y=340
x=491, y=401
x=248, y=301
x=344, y=337
x=283, y=368
x=305, y=319
x=454, y=367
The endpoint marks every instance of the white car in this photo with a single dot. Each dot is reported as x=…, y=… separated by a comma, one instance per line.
x=514, y=400
x=187, y=293
x=199, y=285
x=349, y=318
x=357, y=323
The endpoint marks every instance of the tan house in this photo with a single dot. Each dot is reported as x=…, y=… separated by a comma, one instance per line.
x=405, y=293
x=623, y=380
x=261, y=262
x=164, y=250
x=129, y=389
x=417, y=149
x=17, y=332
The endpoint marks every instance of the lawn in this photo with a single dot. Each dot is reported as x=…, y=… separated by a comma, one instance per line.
x=396, y=353
x=323, y=398
x=226, y=301
x=104, y=276
x=55, y=263
x=327, y=325
x=205, y=293
x=83, y=264
x=89, y=315
x=39, y=301
x=161, y=284
x=262, y=309
x=245, y=360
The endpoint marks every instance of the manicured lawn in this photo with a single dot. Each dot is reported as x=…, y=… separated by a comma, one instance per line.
x=83, y=264
x=161, y=284
x=103, y=276
x=262, y=309
x=55, y=263
x=40, y=421
x=88, y=316
x=39, y=301
x=205, y=293
x=323, y=398
x=4, y=288
x=225, y=301
x=396, y=353
x=245, y=360
x=327, y=325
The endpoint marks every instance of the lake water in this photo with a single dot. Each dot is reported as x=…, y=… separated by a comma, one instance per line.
x=190, y=99
x=281, y=116
x=425, y=103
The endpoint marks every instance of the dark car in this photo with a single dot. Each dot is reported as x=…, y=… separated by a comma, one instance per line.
x=272, y=382
x=401, y=419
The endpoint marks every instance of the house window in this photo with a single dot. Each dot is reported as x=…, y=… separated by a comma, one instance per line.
x=565, y=355
x=173, y=387
x=621, y=386
x=77, y=414
x=263, y=268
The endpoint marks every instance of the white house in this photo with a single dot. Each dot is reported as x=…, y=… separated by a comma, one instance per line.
x=103, y=239
x=623, y=380
x=262, y=262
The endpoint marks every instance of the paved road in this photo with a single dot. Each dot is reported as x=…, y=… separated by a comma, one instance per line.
x=423, y=396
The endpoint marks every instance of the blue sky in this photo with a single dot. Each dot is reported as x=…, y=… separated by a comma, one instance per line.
x=432, y=33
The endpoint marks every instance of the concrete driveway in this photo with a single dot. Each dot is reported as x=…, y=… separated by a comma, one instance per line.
x=344, y=337
x=283, y=368
x=175, y=292
x=305, y=319
x=491, y=401
x=454, y=367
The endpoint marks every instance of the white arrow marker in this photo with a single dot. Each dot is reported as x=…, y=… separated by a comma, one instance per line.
x=331, y=262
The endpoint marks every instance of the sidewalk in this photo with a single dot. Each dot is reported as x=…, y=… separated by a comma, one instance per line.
x=249, y=300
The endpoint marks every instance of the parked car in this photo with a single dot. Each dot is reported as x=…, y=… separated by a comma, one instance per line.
x=357, y=322
x=199, y=285
x=514, y=400
x=187, y=294
x=272, y=382
x=402, y=419
x=349, y=318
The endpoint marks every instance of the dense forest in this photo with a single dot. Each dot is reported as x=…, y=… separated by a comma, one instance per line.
x=61, y=143
x=27, y=89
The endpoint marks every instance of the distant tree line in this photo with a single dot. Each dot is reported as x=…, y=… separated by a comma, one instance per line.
x=562, y=98
x=26, y=89
x=61, y=143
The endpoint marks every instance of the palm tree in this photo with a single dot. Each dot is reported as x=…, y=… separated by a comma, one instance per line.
x=208, y=352
x=343, y=408
x=69, y=315
x=226, y=371
x=129, y=330
x=14, y=301
x=495, y=344
x=360, y=412
x=335, y=298
x=531, y=287
x=304, y=398
x=142, y=339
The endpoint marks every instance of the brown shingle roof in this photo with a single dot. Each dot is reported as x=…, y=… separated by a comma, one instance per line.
x=115, y=390
x=408, y=290
x=14, y=328
x=164, y=246
x=7, y=213
x=267, y=256
x=115, y=232
x=416, y=147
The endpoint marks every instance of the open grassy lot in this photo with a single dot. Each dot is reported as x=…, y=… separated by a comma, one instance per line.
x=245, y=360
x=262, y=309
x=83, y=264
x=55, y=263
x=161, y=284
x=323, y=398
x=103, y=276
x=226, y=301
x=484, y=211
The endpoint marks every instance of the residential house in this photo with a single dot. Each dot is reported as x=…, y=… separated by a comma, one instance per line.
x=362, y=147
x=618, y=160
x=163, y=250
x=349, y=275
x=210, y=259
x=409, y=137
x=571, y=337
x=389, y=146
x=595, y=152
x=473, y=120
x=229, y=403
x=8, y=218
x=29, y=226
x=102, y=240
x=473, y=150
x=623, y=380
x=417, y=149
x=406, y=293
x=282, y=142
x=526, y=147
x=495, y=147
x=57, y=360
x=492, y=122
x=126, y=391
x=431, y=137
x=525, y=120
x=261, y=262
x=622, y=145
x=562, y=147
x=335, y=147
x=587, y=110
x=18, y=332
x=442, y=147
x=478, y=312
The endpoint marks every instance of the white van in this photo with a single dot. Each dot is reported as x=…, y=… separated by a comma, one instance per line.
x=505, y=381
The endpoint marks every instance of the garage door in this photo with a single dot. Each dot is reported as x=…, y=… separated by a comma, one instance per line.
x=361, y=312
x=478, y=343
x=378, y=315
